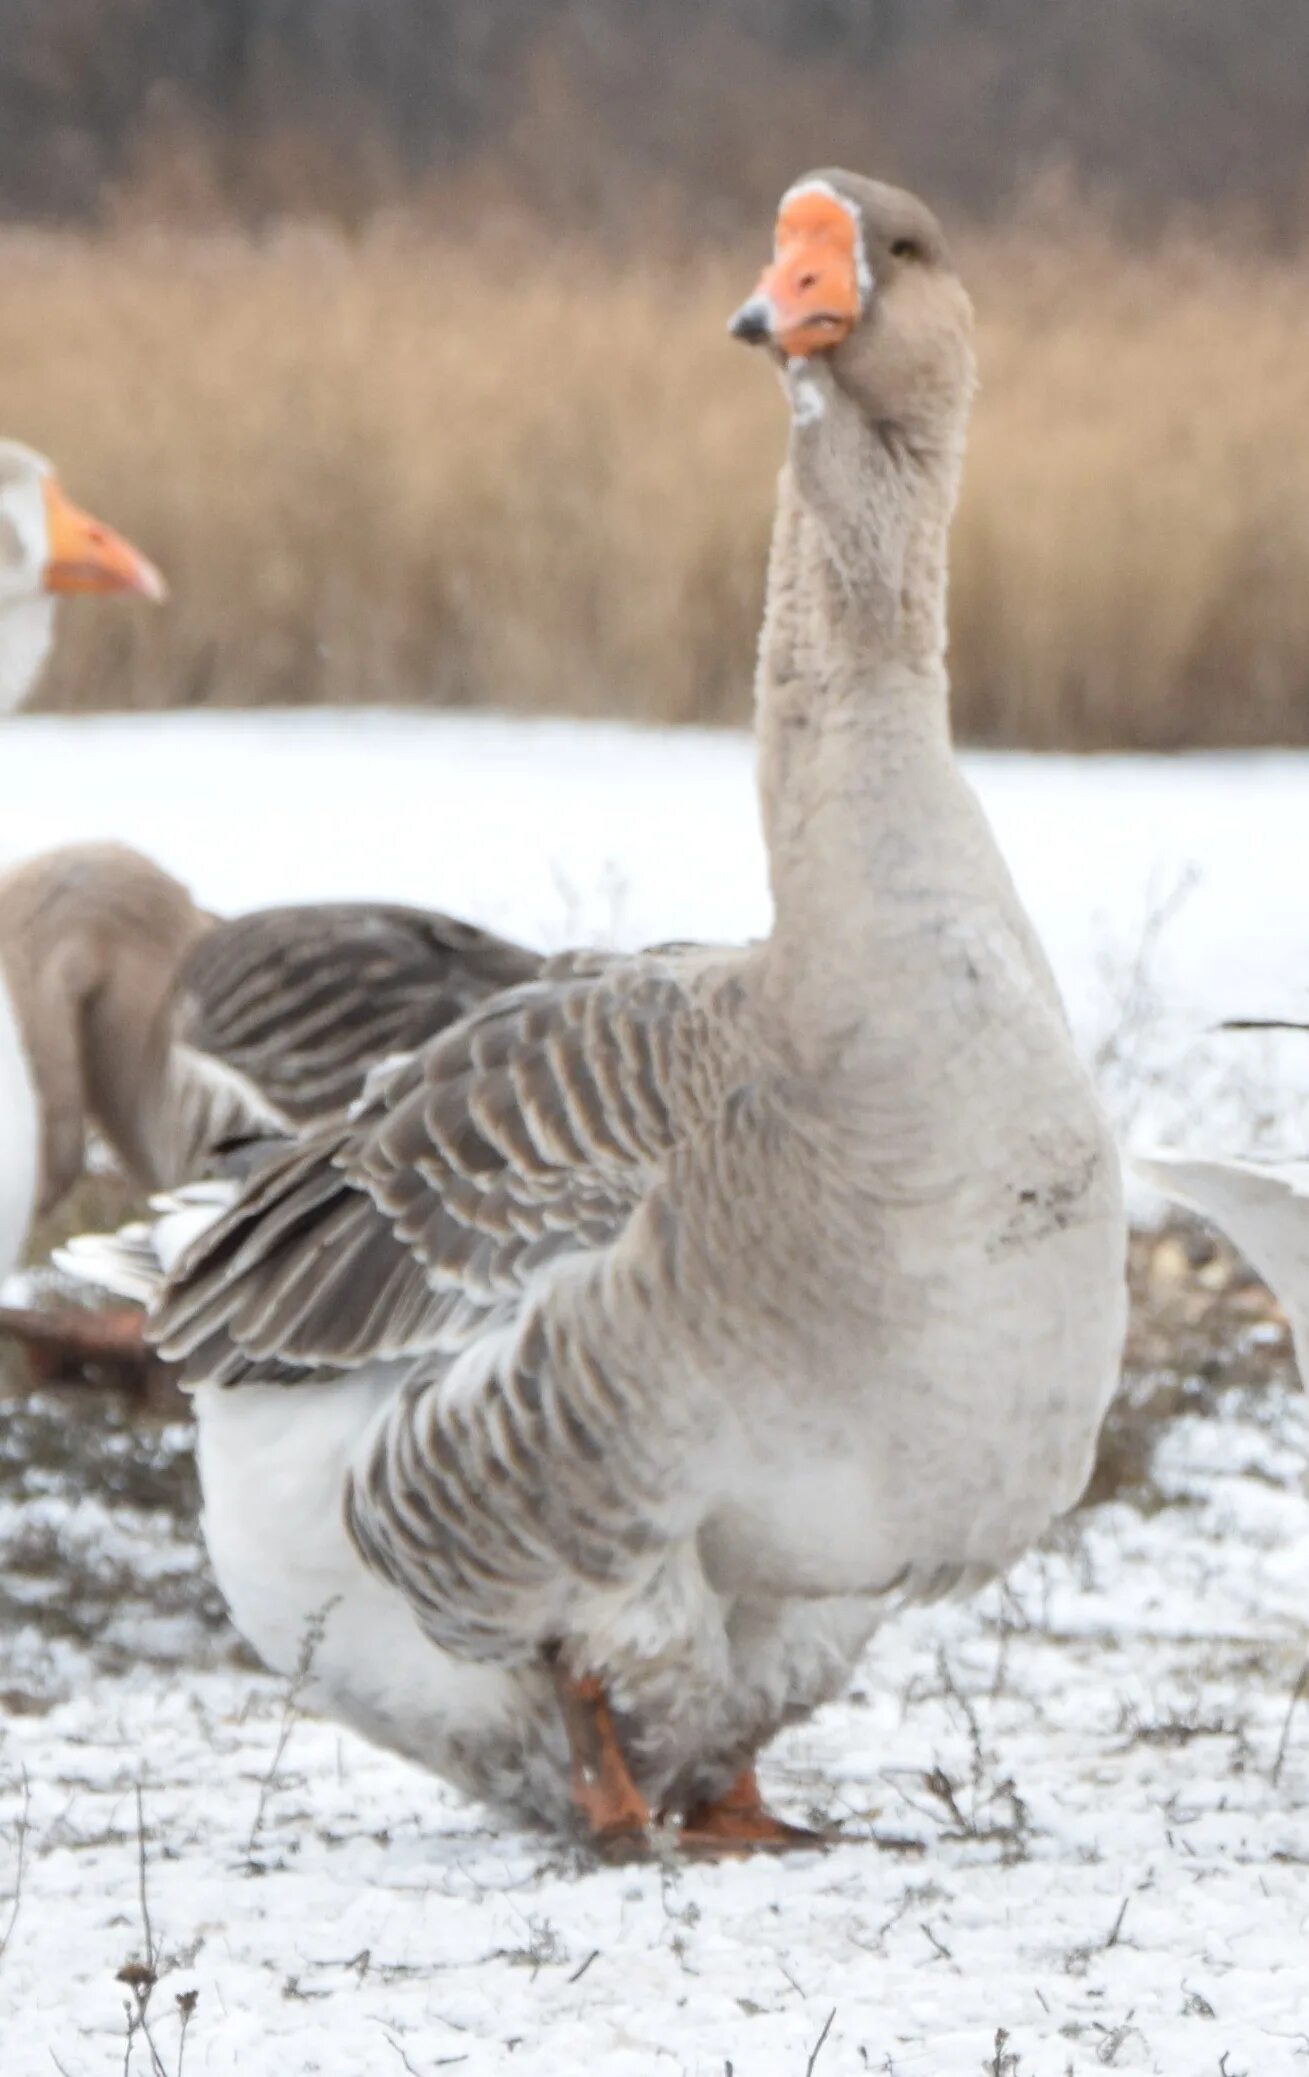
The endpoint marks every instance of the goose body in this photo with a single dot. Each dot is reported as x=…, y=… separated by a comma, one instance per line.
x=90, y=939
x=126, y=1006
x=652, y=1331
x=20, y=1138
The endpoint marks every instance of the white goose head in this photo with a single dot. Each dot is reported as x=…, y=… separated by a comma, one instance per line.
x=49, y=546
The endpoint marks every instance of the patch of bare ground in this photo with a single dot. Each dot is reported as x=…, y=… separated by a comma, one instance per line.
x=1203, y=1328
x=99, y=1501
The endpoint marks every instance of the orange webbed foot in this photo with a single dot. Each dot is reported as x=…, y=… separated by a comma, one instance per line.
x=613, y=1810
x=740, y=1822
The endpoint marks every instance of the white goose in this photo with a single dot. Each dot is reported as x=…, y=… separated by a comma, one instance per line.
x=48, y=547
x=583, y=1403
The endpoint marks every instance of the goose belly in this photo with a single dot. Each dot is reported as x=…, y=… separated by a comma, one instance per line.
x=966, y=1435
x=272, y=1462
x=19, y=1138
x=929, y=1422
x=1003, y=1335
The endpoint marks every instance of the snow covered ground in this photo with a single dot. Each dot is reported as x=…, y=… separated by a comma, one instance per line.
x=1078, y=1808
x=1066, y=1812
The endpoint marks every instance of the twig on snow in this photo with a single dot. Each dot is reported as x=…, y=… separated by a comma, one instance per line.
x=443, y=2062
x=141, y=1977
x=20, y=1863
x=1116, y=1060
x=1298, y=1693
x=313, y=1637
x=1117, y=1926
x=185, y=2001
x=818, y=2044
x=942, y=1950
x=151, y=1951
x=1002, y=2064
x=391, y=2042
x=1113, y=2039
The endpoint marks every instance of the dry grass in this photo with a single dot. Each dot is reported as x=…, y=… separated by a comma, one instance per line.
x=407, y=469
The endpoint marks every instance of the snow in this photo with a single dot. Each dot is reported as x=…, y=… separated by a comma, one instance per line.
x=1063, y=1820
x=1077, y=1807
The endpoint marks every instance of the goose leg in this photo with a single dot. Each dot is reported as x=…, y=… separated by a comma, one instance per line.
x=740, y=1822
x=604, y=1794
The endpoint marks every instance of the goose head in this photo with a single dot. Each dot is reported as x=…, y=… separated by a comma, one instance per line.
x=48, y=547
x=862, y=282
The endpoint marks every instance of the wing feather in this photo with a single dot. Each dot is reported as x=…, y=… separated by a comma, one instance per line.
x=303, y=1001
x=526, y=1133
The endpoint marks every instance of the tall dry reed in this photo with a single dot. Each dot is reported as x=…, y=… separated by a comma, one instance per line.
x=485, y=473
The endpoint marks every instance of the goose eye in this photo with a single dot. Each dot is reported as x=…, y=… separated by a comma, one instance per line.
x=906, y=249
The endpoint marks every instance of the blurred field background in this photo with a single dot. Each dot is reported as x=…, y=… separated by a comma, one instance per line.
x=395, y=330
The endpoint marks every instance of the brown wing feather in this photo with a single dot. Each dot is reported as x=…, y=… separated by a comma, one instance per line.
x=303, y=1001
x=528, y=1131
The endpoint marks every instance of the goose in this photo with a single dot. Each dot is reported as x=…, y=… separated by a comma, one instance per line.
x=49, y=547
x=571, y=1413
x=126, y=1006
x=1262, y=1207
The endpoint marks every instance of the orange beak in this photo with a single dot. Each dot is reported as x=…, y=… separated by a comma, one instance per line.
x=809, y=300
x=86, y=556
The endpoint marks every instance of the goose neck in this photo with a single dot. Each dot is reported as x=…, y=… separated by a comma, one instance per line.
x=26, y=631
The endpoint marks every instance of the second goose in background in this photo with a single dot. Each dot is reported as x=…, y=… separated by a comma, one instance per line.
x=49, y=548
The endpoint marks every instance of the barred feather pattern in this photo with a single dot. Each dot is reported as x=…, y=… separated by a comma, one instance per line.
x=470, y=1216
x=302, y=1001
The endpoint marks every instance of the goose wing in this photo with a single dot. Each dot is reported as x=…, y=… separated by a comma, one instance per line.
x=530, y=1131
x=301, y=1002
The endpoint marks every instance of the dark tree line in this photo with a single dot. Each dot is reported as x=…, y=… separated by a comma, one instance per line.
x=593, y=106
